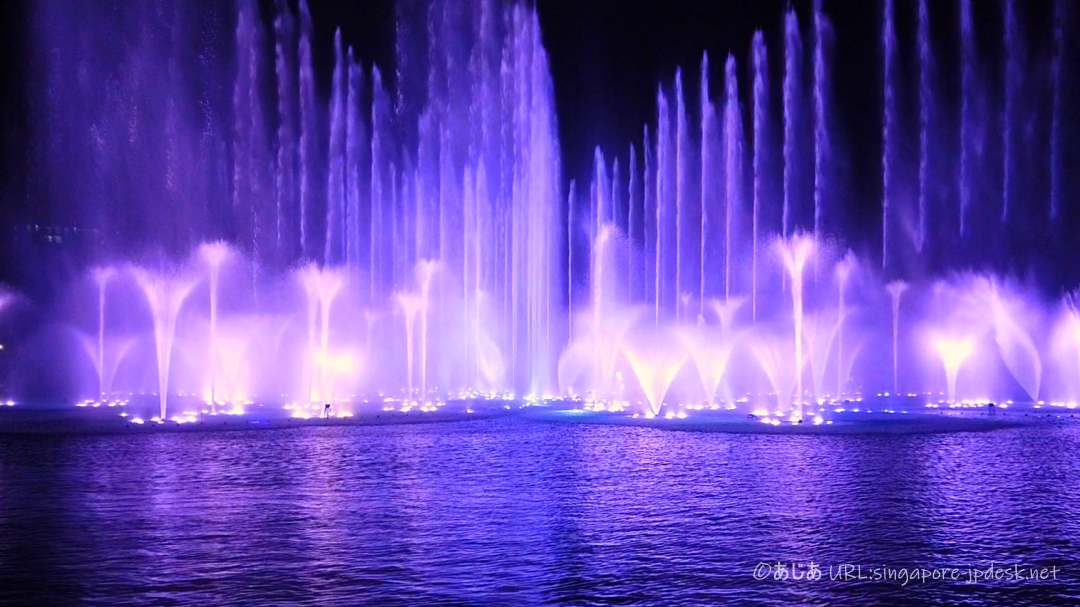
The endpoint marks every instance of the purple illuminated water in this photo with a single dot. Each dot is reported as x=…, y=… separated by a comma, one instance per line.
x=512, y=511
x=443, y=253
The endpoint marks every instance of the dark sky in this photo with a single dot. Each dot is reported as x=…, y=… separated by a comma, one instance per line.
x=607, y=56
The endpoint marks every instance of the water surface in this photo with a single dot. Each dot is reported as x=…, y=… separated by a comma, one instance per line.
x=518, y=511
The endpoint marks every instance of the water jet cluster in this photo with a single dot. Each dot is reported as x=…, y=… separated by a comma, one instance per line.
x=398, y=246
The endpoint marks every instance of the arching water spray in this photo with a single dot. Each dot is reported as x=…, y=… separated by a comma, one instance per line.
x=655, y=372
x=165, y=293
x=953, y=352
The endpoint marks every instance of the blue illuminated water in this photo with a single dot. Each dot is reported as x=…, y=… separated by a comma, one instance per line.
x=519, y=511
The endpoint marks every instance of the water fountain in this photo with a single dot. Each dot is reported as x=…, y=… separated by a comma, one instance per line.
x=102, y=275
x=888, y=124
x=710, y=354
x=733, y=153
x=410, y=304
x=843, y=273
x=967, y=110
x=953, y=351
x=761, y=118
x=1066, y=343
x=794, y=253
x=896, y=290
x=655, y=371
x=926, y=79
x=819, y=337
x=1017, y=348
x=321, y=286
x=792, y=98
x=106, y=368
x=165, y=293
x=822, y=145
x=774, y=356
x=415, y=306
x=214, y=255
x=439, y=193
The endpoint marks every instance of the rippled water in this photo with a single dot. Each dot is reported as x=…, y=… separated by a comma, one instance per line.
x=513, y=511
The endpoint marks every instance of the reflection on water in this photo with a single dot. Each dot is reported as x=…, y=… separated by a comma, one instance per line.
x=518, y=511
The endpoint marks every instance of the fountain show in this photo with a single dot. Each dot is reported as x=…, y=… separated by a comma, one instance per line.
x=540, y=302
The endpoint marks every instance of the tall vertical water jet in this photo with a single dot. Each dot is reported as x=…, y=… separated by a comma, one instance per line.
x=794, y=253
x=888, y=120
x=663, y=188
x=926, y=67
x=102, y=276
x=967, y=102
x=165, y=294
x=410, y=305
x=1013, y=63
x=633, y=193
x=822, y=44
x=601, y=193
x=213, y=255
x=379, y=186
x=843, y=274
x=570, y=196
x=602, y=298
x=617, y=198
x=252, y=188
x=953, y=352
x=357, y=165
x=708, y=135
x=425, y=272
x=335, y=179
x=538, y=192
x=761, y=117
x=309, y=129
x=648, y=217
x=682, y=162
x=896, y=290
x=733, y=172
x=1056, y=108
x=285, y=184
x=792, y=100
